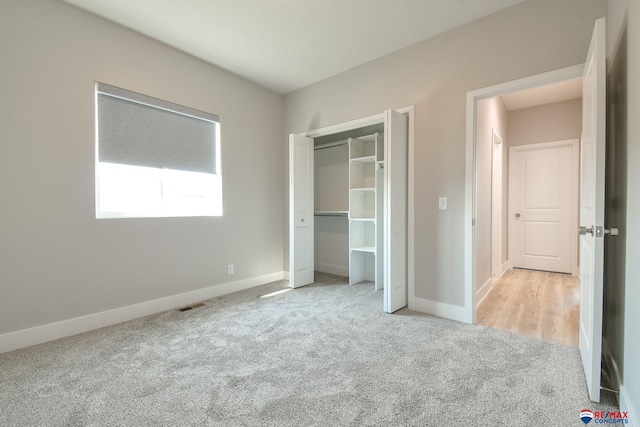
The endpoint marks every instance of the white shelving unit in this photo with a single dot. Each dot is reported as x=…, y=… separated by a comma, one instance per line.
x=366, y=160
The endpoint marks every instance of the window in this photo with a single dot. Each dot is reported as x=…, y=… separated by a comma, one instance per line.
x=155, y=158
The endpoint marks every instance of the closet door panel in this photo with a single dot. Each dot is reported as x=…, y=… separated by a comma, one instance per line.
x=395, y=205
x=301, y=209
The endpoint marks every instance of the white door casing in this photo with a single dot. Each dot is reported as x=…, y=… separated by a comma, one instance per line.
x=543, y=205
x=395, y=211
x=496, y=204
x=301, y=219
x=592, y=156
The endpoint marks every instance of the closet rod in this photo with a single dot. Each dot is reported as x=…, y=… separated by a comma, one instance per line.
x=331, y=145
x=331, y=213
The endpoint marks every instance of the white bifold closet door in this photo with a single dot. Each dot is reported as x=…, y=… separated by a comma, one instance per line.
x=301, y=230
x=396, y=135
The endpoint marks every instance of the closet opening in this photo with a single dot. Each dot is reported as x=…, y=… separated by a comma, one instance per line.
x=348, y=205
x=348, y=195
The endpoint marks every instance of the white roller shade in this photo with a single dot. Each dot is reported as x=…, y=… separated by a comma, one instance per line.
x=139, y=130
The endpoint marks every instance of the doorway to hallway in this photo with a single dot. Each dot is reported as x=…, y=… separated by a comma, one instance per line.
x=527, y=211
x=592, y=179
x=539, y=304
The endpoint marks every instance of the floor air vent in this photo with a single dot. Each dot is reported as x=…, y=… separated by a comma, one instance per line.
x=191, y=307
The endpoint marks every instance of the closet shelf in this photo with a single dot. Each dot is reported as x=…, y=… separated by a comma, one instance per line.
x=331, y=213
x=369, y=249
x=365, y=159
x=363, y=219
x=363, y=189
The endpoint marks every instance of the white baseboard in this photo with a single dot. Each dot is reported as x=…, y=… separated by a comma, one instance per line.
x=505, y=267
x=338, y=270
x=285, y=275
x=575, y=271
x=448, y=311
x=627, y=406
x=484, y=291
x=40, y=334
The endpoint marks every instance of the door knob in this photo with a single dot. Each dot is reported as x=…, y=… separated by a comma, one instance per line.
x=517, y=215
x=599, y=231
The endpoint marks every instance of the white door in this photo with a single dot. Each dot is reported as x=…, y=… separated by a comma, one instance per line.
x=395, y=211
x=592, y=209
x=543, y=198
x=301, y=231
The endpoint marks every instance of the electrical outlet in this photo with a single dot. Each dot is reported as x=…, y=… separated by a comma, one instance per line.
x=442, y=203
x=230, y=269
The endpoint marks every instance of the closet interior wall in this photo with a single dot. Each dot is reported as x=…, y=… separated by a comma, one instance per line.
x=331, y=205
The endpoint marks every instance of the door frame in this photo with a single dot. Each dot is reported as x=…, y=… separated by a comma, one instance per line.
x=497, y=196
x=473, y=97
x=373, y=120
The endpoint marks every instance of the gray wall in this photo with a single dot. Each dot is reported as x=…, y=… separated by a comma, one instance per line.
x=435, y=75
x=545, y=123
x=56, y=260
x=621, y=312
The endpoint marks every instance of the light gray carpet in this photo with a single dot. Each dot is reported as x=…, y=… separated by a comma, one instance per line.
x=322, y=355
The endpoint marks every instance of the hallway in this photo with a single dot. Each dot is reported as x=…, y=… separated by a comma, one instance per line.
x=540, y=304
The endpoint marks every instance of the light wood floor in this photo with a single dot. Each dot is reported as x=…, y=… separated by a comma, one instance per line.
x=535, y=303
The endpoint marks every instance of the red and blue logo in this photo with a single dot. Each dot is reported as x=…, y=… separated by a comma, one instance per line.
x=586, y=416
x=603, y=417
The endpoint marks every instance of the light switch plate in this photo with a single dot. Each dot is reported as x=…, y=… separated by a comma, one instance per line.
x=442, y=203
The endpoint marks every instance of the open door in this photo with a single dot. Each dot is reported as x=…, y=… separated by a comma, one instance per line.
x=592, y=154
x=395, y=211
x=301, y=256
